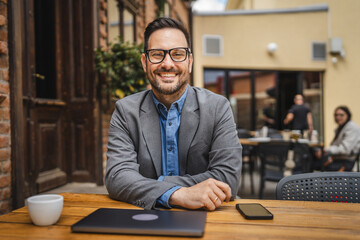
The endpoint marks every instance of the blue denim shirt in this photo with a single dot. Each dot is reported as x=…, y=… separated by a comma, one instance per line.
x=169, y=125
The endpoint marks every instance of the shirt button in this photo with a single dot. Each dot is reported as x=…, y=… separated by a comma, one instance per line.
x=170, y=123
x=170, y=148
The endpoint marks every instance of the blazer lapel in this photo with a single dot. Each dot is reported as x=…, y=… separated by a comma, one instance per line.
x=188, y=126
x=149, y=119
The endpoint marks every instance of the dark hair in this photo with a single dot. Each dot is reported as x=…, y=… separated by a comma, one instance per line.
x=164, y=22
x=348, y=113
x=346, y=110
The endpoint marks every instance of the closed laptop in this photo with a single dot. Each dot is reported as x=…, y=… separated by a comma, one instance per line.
x=143, y=222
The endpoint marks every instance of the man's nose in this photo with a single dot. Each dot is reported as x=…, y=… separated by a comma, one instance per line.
x=167, y=62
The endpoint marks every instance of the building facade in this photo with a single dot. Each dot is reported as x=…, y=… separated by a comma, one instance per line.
x=272, y=49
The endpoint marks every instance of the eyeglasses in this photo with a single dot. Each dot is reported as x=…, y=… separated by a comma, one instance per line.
x=176, y=54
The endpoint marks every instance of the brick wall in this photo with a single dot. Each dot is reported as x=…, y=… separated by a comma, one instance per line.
x=5, y=160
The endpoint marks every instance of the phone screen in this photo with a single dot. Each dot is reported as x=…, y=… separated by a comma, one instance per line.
x=253, y=211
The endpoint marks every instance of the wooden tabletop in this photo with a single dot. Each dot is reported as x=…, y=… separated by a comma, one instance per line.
x=292, y=220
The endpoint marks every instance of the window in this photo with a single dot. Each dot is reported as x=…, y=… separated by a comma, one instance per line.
x=122, y=20
x=212, y=45
x=257, y=95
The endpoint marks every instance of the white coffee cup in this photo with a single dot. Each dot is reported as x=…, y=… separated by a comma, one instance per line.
x=45, y=209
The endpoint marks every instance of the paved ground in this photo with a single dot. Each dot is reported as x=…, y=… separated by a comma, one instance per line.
x=244, y=192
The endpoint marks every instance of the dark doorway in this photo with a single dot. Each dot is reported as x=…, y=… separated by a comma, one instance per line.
x=55, y=62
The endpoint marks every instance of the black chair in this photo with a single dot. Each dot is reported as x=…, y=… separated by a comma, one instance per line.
x=273, y=156
x=248, y=161
x=302, y=158
x=320, y=186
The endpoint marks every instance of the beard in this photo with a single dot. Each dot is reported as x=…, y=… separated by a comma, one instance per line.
x=157, y=86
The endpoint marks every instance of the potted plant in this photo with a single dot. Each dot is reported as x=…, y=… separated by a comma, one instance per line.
x=120, y=63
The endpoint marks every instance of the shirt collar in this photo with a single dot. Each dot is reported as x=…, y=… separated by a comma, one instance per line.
x=178, y=104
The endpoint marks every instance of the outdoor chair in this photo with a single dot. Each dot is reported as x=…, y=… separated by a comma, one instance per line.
x=273, y=156
x=247, y=157
x=320, y=186
x=302, y=158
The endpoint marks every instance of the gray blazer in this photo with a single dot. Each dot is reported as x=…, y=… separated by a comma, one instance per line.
x=208, y=147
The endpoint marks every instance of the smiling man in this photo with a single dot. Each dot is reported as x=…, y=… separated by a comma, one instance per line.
x=174, y=145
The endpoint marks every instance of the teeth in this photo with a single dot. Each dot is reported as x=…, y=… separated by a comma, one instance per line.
x=168, y=74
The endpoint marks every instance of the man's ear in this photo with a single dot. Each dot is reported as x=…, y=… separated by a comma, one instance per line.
x=190, y=62
x=143, y=61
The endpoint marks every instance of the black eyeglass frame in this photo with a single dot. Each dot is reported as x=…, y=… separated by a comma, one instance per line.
x=188, y=51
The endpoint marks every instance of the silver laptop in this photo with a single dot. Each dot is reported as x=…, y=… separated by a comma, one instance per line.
x=143, y=222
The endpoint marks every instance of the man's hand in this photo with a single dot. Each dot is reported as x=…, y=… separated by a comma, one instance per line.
x=208, y=194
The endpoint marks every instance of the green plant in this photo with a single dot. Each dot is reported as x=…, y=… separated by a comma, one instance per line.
x=121, y=64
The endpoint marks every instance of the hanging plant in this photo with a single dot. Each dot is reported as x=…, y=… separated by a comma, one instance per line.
x=121, y=64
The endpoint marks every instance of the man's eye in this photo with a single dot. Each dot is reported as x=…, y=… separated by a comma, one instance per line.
x=157, y=54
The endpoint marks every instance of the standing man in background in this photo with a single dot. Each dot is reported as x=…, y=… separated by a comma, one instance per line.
x=174, y=145
x=300, y=115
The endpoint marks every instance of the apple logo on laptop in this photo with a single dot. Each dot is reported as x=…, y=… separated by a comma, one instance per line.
x=145, y=217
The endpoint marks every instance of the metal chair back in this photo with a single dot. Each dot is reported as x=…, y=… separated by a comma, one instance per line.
x=320, y=186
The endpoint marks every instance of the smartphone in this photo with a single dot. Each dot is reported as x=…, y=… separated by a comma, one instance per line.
x=253, y=211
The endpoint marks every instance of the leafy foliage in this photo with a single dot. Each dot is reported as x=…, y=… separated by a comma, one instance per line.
x=121, y=63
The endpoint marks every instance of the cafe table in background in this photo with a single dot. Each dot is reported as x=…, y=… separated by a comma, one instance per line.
x=292, y=220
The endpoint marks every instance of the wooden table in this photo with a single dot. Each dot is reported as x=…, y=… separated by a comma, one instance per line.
x=249, y=142
x=292, y=220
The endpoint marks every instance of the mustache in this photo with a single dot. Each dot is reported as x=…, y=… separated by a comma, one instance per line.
x=162, y=70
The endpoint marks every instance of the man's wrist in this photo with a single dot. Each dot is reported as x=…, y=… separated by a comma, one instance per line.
x=175, y=199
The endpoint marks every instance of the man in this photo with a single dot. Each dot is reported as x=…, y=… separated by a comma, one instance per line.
x=300, y=115
x=174, y=145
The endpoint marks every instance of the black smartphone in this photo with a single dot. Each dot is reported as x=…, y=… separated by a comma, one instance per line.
x=253, y=211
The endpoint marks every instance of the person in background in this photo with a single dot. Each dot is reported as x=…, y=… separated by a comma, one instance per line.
x=340, y=155
x=269, y=113
x=173, y=145
x=299, y=115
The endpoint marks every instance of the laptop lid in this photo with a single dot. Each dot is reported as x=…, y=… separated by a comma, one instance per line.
x=143, y=222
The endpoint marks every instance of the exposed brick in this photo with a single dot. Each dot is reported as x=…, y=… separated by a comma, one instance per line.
x=4, y=141
x=103, y=5
x=5, y=181
x=3, y=47
x=5, y=103
x=5, y=75
x=4, y=87
x=3, y=9
x=3, y=35
x=5, y=207
x=4, y=62
x=3, y=20
x=103, y=31
x=5, y=114
x=6, y=167
x=4, y=154
x=6, y=193
x=4, y=128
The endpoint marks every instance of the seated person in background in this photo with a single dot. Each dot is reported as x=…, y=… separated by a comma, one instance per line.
x=299, y=115
x=174, y=145
x=340, y=155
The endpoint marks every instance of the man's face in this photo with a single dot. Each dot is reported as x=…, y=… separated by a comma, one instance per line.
x=167, y=77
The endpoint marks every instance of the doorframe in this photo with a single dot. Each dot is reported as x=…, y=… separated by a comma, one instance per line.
x=15, y=31
x=16, y=44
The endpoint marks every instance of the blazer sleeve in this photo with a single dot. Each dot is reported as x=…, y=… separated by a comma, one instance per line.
x=123, y=179
x=225, y=156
